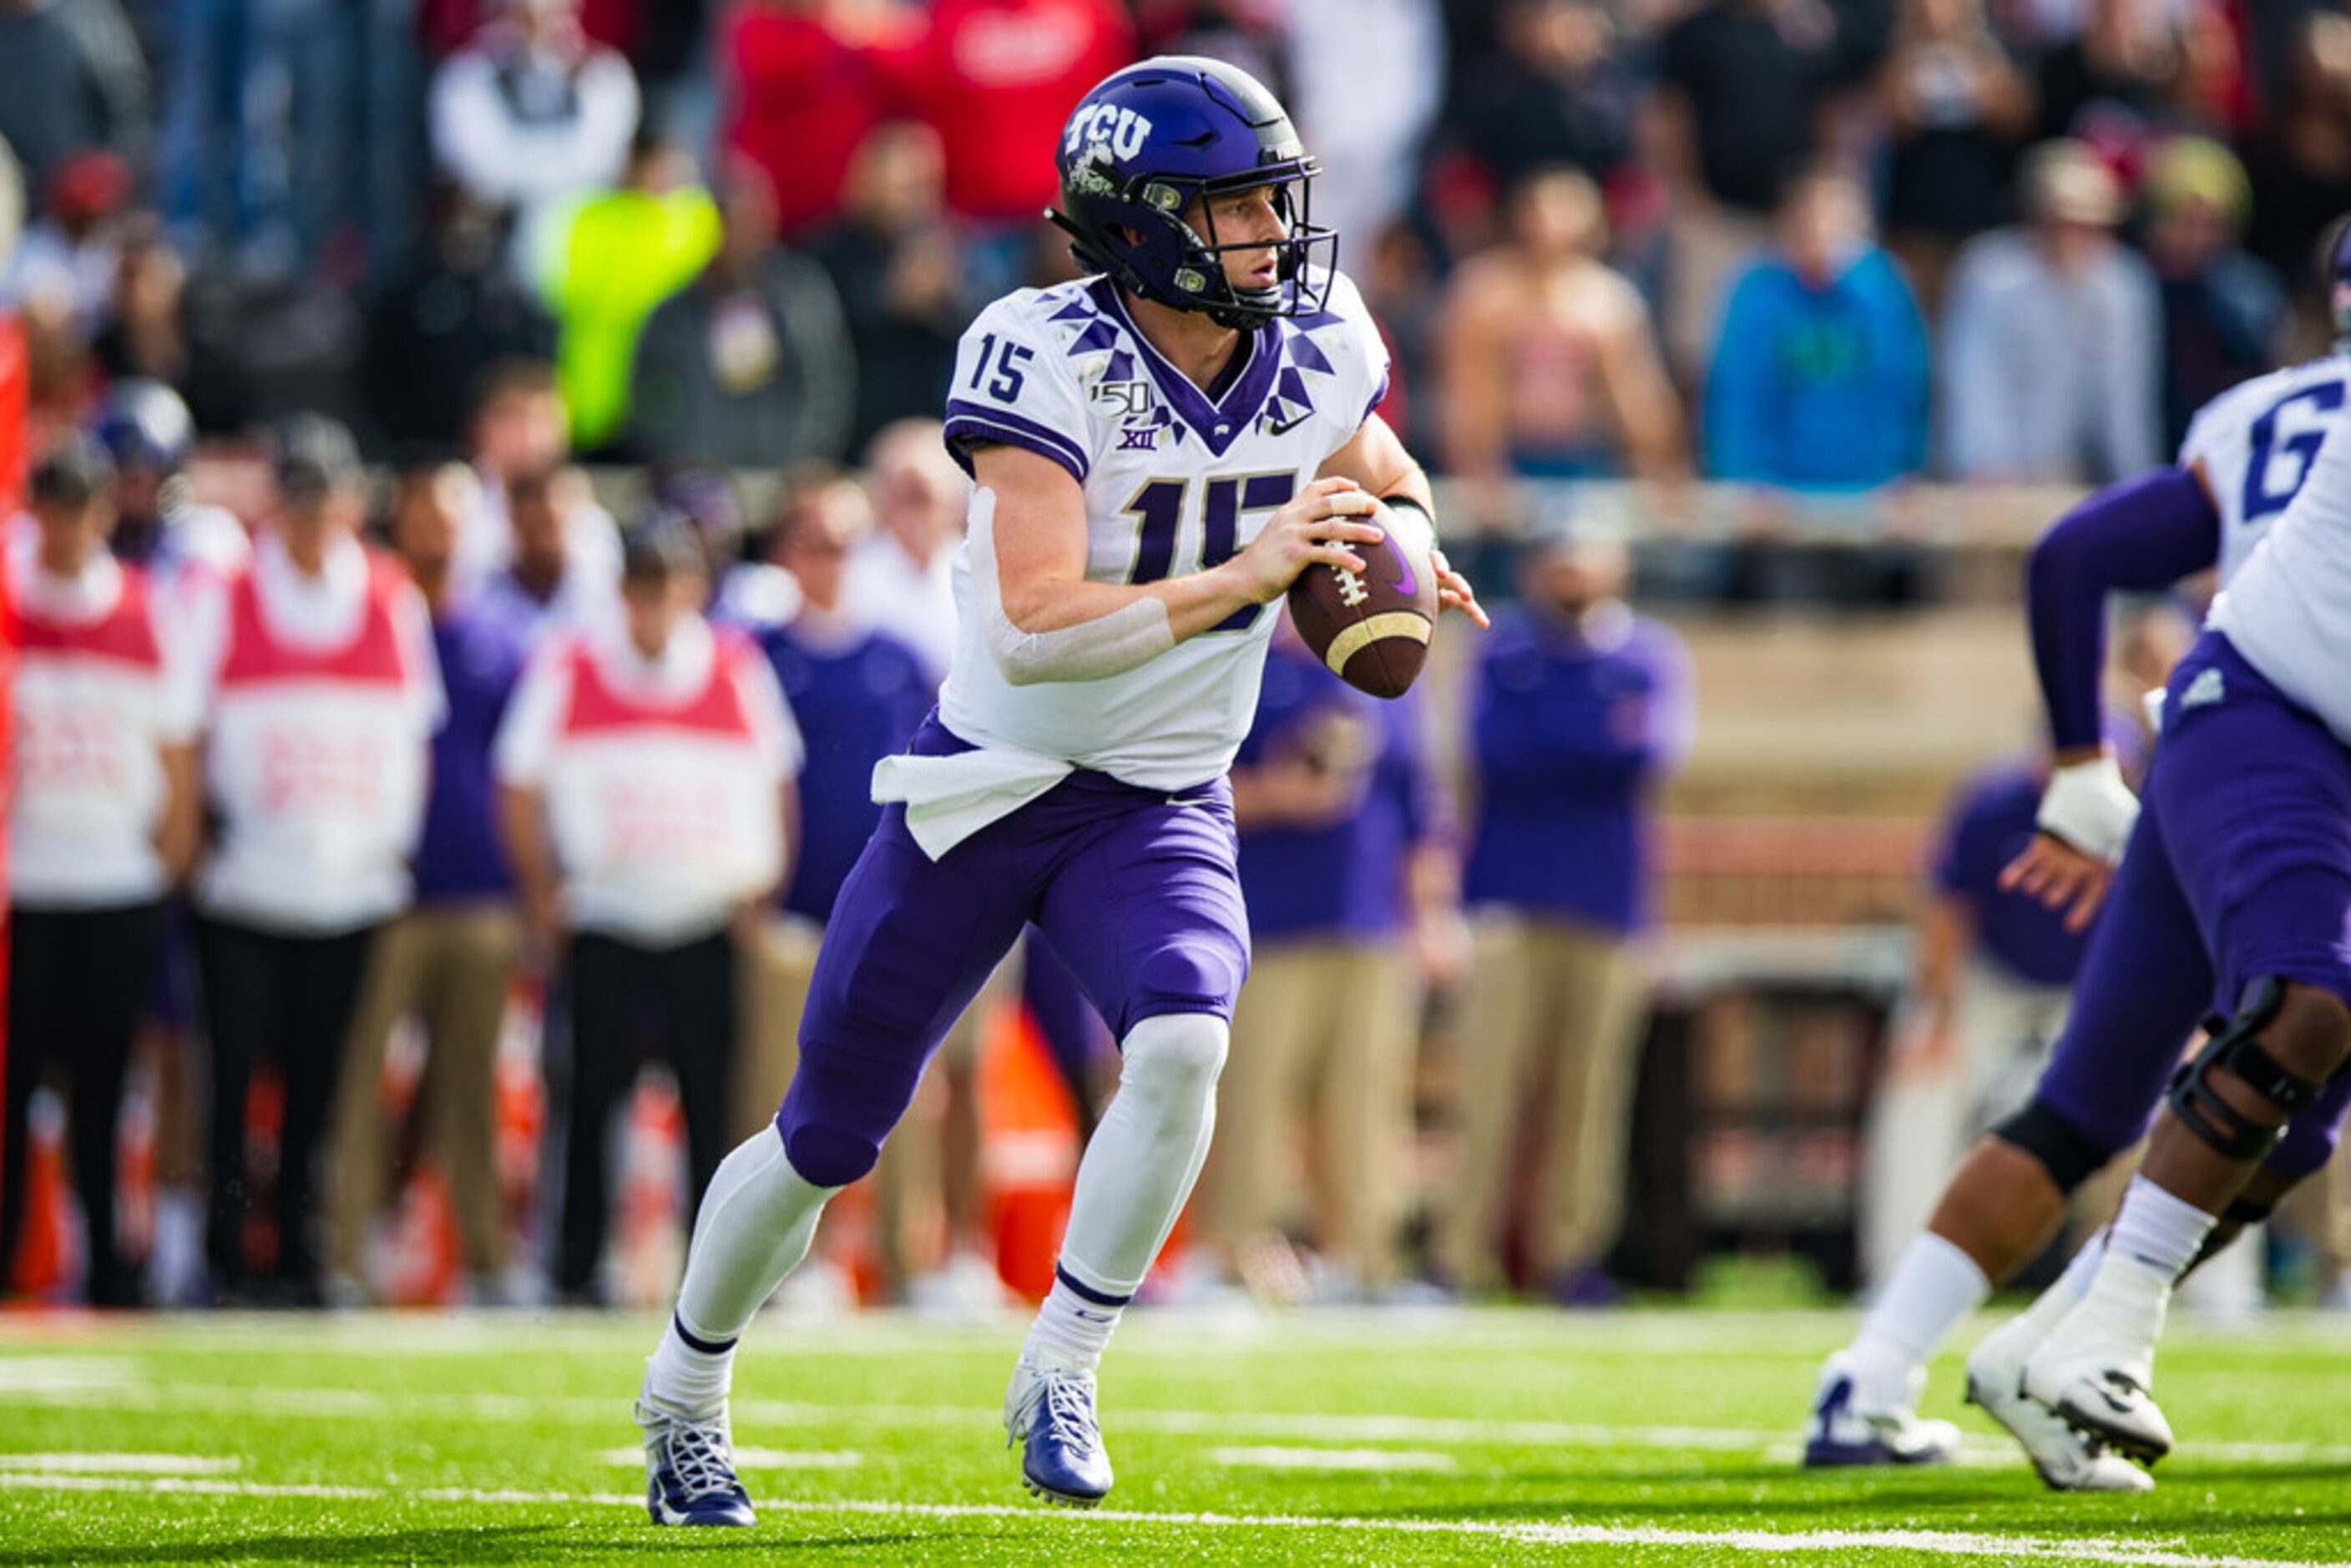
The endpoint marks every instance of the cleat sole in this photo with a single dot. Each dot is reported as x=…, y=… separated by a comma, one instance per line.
x=1058, y=1499
x=2129, y=1442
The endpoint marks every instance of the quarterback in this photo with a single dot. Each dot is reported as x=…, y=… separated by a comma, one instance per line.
x=1158, y=449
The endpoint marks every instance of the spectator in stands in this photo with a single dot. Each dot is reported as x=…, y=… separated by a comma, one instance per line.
x=71, y=78
x=999, y=79
x=857, y=694
x=1348, y=873
x=1959, y=109
x=902, y=575
x=2224, y=313
x=1547, y=365
x=748, y=591
x=554, y=584
x=1740, y=86
x=520, y=427
x=159, y=328
x=1399, y=286
x=645, y=780
x=1993, y=974
x=1366, y=78
x=2300, y=161
x=809, y=83
x=457, y=312
x=318, y=785
x=605, y=261
x=71, y=252
x=1555, y=93
x=148, y=433
x=102, y=820
x=1581, y=709
x=1820, y=377
x=446, y=962
x=750, y=364
x=893, y=260
x=530, y=111
x=2107, y=54
x=2053, y=338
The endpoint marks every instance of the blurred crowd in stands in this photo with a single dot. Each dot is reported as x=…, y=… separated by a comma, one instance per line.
x=1819, y=246
x=289, y=804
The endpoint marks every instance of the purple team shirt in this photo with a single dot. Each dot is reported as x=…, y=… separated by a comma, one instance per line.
x=1346, y=879
x=1570, y=735
x=458, y=856
x=856, y=701
x=1989, y=825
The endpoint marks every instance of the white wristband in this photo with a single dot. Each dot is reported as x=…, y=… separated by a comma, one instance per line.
x=2090, y=807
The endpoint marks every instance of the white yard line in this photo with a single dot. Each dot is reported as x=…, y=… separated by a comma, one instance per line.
x=348, y=1404
x=358, y=1405
x=1930, y=1542
x=745, y=1459
x=1331, y=1460
x=121, y=1464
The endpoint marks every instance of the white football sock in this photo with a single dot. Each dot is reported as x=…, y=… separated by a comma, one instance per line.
x=2050, y=1307
x=2155, y=1236
x=2159, y=1232
x=1133, y=1184
x=1934, y=1287
x=755, y=1226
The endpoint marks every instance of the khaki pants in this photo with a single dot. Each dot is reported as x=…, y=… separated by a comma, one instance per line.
x=1562, y=1005
x=775, y=973
x=1925, y=1118
x=449, y=969
x=926, y=1184
x=1323, y=1035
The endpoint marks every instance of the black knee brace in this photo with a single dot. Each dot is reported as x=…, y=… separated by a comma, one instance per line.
x=2236, y=1045
x=2069, y=1158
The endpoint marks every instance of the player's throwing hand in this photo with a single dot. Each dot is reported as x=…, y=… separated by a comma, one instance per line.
x=1312, y=527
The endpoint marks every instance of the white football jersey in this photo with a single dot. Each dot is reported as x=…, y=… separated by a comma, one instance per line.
x=1176, y=481
x=2256, y=444
x=2287, y=608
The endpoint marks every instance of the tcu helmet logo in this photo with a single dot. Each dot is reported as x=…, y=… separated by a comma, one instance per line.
x=1119, y=131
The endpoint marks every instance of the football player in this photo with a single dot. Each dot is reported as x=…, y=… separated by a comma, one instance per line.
x=1158, y=449
x=2250, y=803
x=145, y=428
x=2145, y=980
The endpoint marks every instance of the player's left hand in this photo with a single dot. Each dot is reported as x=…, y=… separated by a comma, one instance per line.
x=1454, y=592
x=2059, y=877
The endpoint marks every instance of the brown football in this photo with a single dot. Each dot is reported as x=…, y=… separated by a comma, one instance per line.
x=1371, y=630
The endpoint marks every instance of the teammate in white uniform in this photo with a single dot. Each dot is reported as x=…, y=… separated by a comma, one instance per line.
x=1159, y=450
x=2145, y=981
x=2250, y=798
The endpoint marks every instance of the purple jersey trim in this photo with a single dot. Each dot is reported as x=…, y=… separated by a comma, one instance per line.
x=1220, y=424
x=2142, y=535
x=971, y=422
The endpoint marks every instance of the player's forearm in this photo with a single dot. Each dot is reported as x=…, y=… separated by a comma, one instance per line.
x=1192, y=603
x=2142, y=535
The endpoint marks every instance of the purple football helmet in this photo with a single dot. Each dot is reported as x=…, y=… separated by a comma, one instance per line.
x=1152, y=139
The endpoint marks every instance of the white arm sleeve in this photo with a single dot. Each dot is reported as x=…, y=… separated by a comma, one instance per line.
x=1091, y=650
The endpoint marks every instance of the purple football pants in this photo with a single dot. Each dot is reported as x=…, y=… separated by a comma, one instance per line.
x=2242, y=853
x=1136, y=890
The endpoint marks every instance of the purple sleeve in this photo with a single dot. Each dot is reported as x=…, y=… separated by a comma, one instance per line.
x=2141, y=535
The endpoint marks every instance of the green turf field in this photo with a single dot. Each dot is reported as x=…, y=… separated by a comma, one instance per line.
x=1649, y=1436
